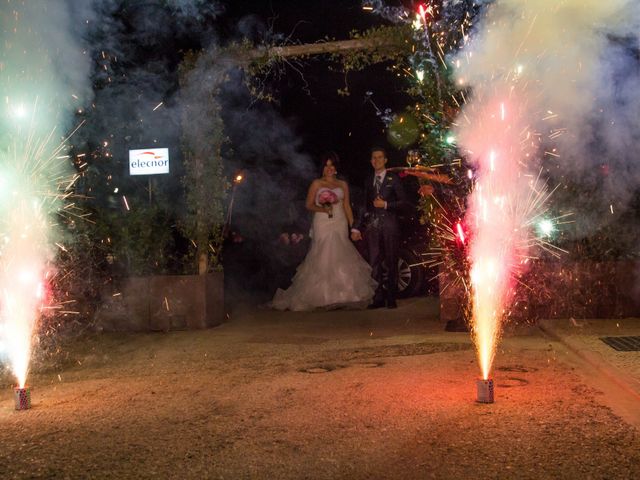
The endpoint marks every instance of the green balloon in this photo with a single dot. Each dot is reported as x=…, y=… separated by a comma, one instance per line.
x=403, y=131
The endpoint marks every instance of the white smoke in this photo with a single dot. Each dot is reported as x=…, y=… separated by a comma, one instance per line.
x=578, y=62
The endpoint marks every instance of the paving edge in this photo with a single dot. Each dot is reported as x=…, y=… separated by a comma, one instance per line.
x=596, y=361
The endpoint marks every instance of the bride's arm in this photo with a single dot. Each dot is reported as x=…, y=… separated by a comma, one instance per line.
x=346, y=202
x=310, y=203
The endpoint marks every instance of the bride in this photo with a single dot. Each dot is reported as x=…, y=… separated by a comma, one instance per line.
x=333, y=274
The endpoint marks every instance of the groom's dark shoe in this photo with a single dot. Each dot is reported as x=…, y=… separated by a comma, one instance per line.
x=376, y=304
x=392, y=304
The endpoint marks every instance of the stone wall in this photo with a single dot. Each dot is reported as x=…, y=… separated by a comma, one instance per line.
x=163, y=303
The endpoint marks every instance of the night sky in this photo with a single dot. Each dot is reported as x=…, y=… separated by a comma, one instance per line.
x=308, y=99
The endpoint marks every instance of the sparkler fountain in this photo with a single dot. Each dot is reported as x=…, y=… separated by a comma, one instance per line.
x=39, y=87
x=21, y=273
x=492, y=131
x=31, y=196
x=495, y=221
x=529, y=64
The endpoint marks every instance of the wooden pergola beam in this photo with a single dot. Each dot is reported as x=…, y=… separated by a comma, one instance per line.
x=316, y=48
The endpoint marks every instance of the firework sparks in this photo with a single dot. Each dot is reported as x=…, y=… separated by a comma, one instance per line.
x=460, y=233
x=27, y=247
x=507, y=213
x=504, y=207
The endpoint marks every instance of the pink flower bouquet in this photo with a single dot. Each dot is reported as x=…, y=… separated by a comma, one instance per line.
x=327, y=198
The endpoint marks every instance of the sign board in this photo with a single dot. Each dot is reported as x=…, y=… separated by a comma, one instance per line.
x=149, y=161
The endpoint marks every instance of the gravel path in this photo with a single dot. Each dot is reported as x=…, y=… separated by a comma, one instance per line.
x=392, y=398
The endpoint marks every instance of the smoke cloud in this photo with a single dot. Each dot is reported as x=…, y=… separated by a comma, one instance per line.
x=579, y=63
x=44, y=62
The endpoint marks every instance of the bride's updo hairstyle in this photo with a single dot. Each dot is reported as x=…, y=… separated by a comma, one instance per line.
x=335, y=159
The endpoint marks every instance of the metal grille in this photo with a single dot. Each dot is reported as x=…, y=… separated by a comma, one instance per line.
x=623, y=344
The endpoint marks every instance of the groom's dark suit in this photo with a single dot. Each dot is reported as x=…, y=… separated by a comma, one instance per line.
x=381, y=232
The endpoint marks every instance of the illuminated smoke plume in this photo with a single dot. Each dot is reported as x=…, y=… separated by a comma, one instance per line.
x=547, y=78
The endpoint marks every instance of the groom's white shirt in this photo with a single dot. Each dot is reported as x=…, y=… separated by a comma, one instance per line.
x=381, y=175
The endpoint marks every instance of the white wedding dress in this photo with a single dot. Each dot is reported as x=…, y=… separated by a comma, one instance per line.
x=333, y=274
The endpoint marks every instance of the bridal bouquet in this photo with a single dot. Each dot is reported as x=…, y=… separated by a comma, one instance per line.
x=327, y=198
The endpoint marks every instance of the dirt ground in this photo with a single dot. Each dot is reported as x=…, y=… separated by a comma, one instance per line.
x=343, y=394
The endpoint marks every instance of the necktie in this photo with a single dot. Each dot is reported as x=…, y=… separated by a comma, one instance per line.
x=377, y=184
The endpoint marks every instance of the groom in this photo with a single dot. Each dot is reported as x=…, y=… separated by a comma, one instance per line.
x=384, y=198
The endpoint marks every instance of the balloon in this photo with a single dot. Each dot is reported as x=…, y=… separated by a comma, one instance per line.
x=403, y=131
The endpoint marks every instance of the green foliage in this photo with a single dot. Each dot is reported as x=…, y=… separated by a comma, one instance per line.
x=142, y=239
x=390, y=44
x=409, y=51
x=202, y=141
x=386, y=44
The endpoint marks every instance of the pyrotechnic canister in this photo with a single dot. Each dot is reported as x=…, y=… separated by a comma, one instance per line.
x=22, y=397
x=485, y=390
